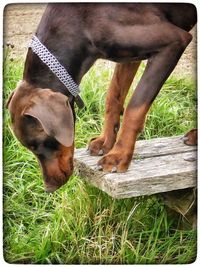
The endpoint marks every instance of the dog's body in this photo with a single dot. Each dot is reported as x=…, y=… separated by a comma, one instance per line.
x=78, y=34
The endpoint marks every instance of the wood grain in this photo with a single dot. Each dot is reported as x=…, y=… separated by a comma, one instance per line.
x=158, y=165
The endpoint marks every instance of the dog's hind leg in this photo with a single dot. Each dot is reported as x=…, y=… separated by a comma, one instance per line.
x=122, y=78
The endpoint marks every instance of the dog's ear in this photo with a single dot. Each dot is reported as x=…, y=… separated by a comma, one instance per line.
x=19, y=84
x=9, y=99
x=53, y=111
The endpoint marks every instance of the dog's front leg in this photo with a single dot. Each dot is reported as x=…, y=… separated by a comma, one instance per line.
x=158, y=68
x=121, y=81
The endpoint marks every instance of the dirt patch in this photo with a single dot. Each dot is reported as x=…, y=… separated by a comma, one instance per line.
x=20, y=23
x=21, y=20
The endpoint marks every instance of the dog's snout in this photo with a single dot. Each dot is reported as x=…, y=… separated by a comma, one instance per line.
x=50, y=188
x=56, y=173
x=55, y=181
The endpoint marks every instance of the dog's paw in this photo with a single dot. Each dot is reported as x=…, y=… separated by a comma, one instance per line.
x=114, y=162
x=99, y=147
x=190, y=138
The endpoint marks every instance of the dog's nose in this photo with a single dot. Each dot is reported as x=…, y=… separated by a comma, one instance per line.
x=51, y=188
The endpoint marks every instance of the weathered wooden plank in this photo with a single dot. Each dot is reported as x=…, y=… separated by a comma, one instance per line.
x=159, y=165
x=161, y=146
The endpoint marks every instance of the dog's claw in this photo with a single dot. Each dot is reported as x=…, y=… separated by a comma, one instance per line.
x=100, y=152
x=114, y=169
x=185, y=138
x=99, y=168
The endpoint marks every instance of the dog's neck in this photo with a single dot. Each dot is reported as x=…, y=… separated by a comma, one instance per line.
x=67, y=41
x=76, y=62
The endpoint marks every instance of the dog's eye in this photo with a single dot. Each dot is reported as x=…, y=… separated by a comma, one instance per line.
x=51, y=143
x=33, y=145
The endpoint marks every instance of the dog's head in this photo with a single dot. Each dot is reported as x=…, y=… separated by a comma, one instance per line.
x=43, y=122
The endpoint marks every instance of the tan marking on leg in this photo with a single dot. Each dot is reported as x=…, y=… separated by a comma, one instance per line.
x=121, y=154
x=117, y=92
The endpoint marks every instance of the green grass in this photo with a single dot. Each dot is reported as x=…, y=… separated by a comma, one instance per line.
x=79, y=223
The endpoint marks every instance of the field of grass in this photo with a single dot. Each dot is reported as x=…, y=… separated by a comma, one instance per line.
x=79, y=223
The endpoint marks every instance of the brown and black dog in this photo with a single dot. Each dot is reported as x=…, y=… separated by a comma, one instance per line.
x=42, y=110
